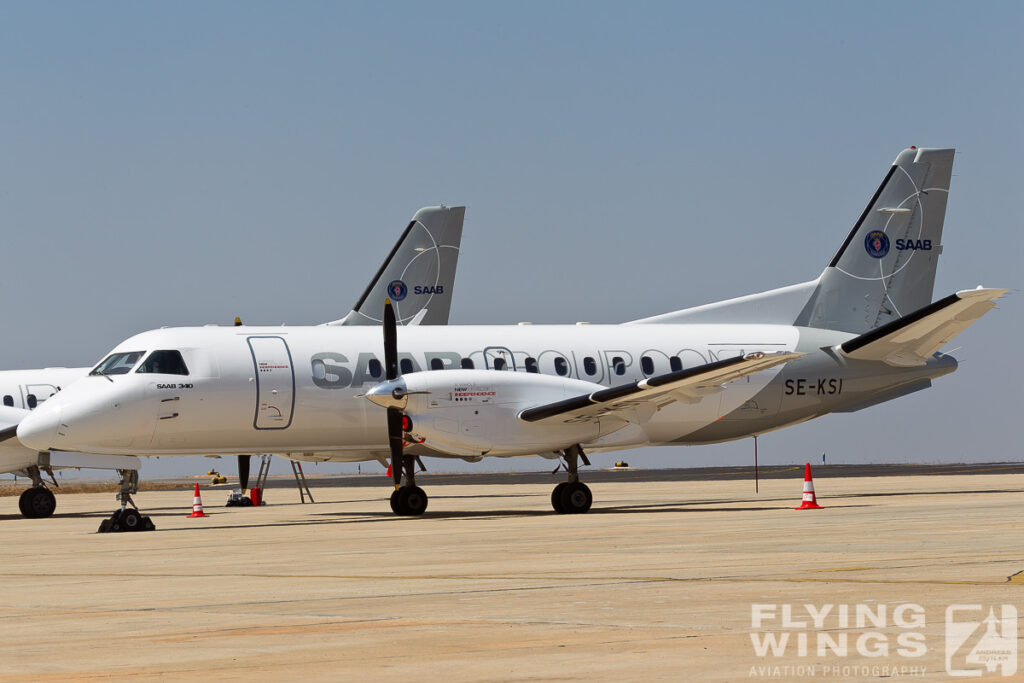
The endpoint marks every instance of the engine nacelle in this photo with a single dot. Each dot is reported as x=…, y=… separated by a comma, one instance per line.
x=474, y=412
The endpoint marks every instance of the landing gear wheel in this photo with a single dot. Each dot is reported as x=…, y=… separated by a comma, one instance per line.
x=394, y=502
x=411, y=501
x=37, y=502
x=556, y=498
x=131, y=520
x=576, y=497
x=126, y=520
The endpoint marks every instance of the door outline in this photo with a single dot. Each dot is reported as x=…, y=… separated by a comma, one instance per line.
x=256, y=371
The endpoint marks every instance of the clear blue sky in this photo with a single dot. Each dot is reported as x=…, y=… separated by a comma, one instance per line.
x=183, y=163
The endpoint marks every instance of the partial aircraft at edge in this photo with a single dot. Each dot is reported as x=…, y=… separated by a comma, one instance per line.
x=865, y=331
x=427, y=252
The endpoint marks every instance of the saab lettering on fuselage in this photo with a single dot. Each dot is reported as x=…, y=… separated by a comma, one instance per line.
x=427, y=289
x=917, y=245
x=814, y=387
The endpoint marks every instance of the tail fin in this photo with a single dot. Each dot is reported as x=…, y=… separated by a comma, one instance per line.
x=419, y=273
x=886, y=267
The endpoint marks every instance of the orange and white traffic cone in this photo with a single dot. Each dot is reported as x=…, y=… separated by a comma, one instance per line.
x=197, y=505
x=809, y=501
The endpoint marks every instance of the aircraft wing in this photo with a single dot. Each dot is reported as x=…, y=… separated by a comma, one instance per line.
x=9, y=419
x=688, y=386
x=914, y=338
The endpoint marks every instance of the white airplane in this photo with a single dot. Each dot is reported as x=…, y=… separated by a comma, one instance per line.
x=427, y=252
x=865, y=331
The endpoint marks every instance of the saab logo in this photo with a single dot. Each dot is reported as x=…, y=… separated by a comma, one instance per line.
x=419, y=289
x=877, y=244
x=920, y=245
x=397, y=290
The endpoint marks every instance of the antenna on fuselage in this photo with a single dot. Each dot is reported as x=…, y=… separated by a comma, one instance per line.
x=238, y=321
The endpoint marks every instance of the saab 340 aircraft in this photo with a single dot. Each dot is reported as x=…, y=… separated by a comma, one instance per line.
x=865, y=331
x=427, y=251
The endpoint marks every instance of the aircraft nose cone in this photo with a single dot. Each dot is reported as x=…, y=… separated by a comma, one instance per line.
x=38, y=429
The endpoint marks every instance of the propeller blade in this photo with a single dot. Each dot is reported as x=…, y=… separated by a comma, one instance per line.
x=395, y=441
x=390, y=342
x=243, y=471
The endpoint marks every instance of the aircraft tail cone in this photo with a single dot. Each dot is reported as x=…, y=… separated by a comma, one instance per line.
x=197, y=505
x=809, y=502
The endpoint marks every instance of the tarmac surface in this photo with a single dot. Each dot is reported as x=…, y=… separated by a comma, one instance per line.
x=660, y=581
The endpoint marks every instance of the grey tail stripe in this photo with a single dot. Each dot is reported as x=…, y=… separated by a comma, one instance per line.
x=867, y=209
x=383, y=266
x=888, y=328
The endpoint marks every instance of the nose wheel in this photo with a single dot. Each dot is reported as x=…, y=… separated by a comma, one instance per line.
x=572, y=497
x=127, y=518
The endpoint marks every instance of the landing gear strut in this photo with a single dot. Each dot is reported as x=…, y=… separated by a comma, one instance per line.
x=408, y=499
x=572, y=496
x=38, y=501
x=127, y=519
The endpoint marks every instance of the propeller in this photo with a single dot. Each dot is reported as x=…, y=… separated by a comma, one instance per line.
x=395, y=439
x=243, y=471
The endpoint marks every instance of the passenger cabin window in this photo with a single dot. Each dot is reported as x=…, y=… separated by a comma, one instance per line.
x=375, y=368
x=32, y=401
x=164, y=363
x=9, y=401
x=561, y=367
x=675, y=363
x=467, y=363
x=436, y=364
x=647, y=365
x=118, y=363
x=499, y=363
x=589, y=366
x=406, y=365
x=531, y=365
x=619, y=365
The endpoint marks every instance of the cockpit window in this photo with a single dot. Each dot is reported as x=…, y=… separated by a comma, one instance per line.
x=164, y=363
x=118, y=363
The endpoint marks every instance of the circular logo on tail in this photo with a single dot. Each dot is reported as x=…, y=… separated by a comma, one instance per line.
x=877, y=244
x=398, y=291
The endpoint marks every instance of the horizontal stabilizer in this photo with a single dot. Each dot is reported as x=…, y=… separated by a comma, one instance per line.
x=688, y=385
x=914, y=338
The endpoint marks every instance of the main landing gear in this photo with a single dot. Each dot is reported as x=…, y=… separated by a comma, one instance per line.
x=572, y=496
x=38, y=501
x=408, y=499
x=127, y=519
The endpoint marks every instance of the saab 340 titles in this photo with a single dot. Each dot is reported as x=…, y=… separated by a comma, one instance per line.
x=865, y=331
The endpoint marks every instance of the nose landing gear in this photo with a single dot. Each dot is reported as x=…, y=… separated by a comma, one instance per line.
x=127, y=519
x=572, y=496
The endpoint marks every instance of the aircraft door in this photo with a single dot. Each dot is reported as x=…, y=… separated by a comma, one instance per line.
x=275, y=382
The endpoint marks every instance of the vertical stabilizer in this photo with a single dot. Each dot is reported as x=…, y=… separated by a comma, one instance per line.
x=886, y=267
x=419, y=273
